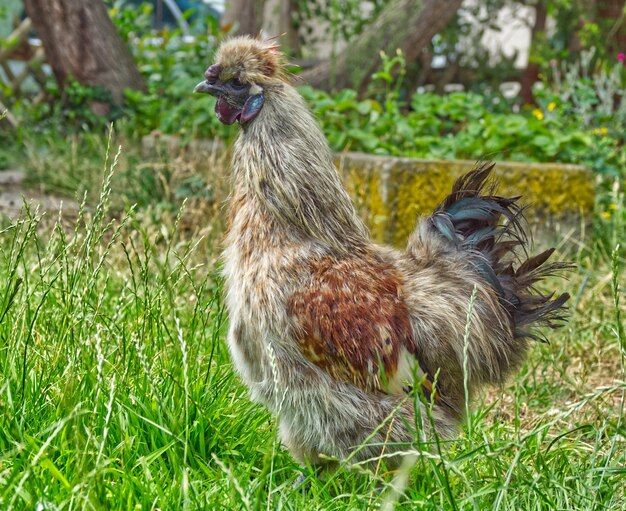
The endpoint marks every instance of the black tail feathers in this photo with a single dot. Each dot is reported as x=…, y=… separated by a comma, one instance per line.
x=491, y=229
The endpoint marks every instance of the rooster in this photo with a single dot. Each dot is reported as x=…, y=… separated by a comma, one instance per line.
x=357, y=348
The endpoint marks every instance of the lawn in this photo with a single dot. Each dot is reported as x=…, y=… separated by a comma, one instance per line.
x=117, y=391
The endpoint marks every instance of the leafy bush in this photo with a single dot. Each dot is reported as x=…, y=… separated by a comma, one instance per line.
x=172, y=64
x=594, y=101
x=461, y=125
x=581, y=117
x=570, y=126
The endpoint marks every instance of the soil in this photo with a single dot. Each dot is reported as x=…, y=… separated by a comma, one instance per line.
x=14, y=194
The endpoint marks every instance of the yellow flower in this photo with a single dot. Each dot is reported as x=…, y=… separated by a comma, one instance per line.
x=600, y=131
x=538, y=114
x=606, y=215
x=551, y=106
x=612, y=206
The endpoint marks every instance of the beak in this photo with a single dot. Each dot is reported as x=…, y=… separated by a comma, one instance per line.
x=206, y=88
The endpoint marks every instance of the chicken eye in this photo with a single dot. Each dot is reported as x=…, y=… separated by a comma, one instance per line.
x=236, y=83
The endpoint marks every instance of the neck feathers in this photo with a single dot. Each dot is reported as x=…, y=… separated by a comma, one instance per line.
x=283, y=159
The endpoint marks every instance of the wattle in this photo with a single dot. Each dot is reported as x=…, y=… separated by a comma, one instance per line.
x=225, y=112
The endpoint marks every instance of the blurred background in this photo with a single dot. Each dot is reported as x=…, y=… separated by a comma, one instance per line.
x=526, y=81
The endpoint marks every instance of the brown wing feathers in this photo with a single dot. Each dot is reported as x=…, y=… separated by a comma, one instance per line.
x=351, y=319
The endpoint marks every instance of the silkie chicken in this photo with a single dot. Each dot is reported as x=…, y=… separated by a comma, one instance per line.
x=360, y=349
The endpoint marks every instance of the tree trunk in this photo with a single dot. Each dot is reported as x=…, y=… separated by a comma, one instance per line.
x=81, y=42
x=612, y=13
x=531, y=74
x=278, y=21
x=246, y=16
x=408, y=25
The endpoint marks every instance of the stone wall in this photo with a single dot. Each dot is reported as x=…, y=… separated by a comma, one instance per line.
x=391, y=193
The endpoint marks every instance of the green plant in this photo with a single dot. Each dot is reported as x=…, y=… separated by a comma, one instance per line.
x=172, y=64
x=457, y=125
x=595, y=101
x=581, y=26
x=581, y=122
x=131, y=20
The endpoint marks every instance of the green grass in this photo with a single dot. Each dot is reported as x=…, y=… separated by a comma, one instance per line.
x=117, y=392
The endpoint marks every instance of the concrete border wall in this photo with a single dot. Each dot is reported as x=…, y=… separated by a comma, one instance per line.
x=391, y=193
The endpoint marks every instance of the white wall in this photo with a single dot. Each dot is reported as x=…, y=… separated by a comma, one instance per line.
x=515, y=22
